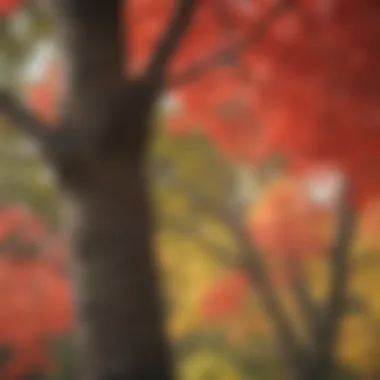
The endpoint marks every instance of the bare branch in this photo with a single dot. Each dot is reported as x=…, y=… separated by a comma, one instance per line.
x=56, y=144
x=255, y=266
x=171, y=38
x=337, y=297
x=300, y=287
x=21, y=117
x=250, y=260
x=230, y=51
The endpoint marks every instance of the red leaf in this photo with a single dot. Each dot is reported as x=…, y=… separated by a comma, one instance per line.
x=225, y=297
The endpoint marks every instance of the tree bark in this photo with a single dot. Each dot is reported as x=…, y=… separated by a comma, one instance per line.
x=99, y=154
x=121, y=329
x=120, y=317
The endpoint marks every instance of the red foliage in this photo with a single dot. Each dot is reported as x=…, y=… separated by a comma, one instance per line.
x=35, y=307
x=313, y=93
x=225, y=297
x=9, y=7
x=368, y=234
x=308, y=89
x=287, y=223
x=35, y=299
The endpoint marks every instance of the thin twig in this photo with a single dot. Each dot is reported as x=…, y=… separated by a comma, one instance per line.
x=254, y=264
x=337, y=296
x=300, y=288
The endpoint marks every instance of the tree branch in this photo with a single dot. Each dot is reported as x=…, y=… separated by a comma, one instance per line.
x=300, y=289
x=253, y=263
x=337, y=297
x=56, y=143
x=21, y=117
x=171, y=38
x=250, y=260
x=224, y=55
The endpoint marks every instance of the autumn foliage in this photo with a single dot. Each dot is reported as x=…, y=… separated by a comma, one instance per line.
x=297, y=79
x=35, y=298
x=285, y=226
x=225, y=297
x=287, y=223
x=308, y=89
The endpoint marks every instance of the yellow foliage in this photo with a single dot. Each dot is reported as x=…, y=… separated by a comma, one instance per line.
x=359, y=343
x=217, y=233
x=191, y=269
x=356, y=339
x=189, y=273
x=183, y=323
x=176, y=204
x=208, y=366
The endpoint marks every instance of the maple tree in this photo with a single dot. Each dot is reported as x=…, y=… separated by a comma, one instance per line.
x=296, y=253
x=290, y=78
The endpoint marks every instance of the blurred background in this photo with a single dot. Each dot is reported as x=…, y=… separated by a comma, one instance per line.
x=209, y=210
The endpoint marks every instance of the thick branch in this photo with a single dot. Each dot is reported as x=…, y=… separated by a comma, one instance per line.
x=171, y=38
x=21, y=117
x=230, y=51
x=58, y=145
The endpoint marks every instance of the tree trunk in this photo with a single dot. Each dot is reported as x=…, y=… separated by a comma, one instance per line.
x=121, y=328
x=99, y=154
x=120, y=319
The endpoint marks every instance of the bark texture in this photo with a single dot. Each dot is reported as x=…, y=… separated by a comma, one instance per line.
x=99, y=153
x=120, y=317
